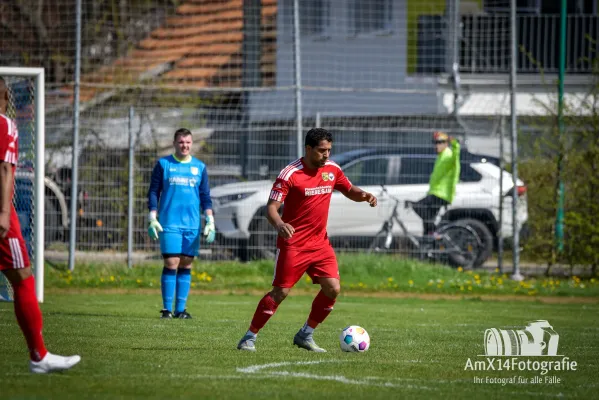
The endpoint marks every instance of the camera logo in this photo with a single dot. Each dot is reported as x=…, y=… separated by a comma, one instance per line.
x=537, y=339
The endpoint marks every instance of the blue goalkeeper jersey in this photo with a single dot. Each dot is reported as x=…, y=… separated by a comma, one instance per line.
x=177, y=191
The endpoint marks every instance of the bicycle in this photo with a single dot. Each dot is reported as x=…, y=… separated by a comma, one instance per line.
x=456, y=243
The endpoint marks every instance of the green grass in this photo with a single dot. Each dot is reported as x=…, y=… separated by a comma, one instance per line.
x=419, y=349
x=359, y=273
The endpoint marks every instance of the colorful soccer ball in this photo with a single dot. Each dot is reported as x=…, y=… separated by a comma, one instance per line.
x=354, y=339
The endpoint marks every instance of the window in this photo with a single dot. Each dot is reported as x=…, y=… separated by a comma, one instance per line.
x=415, y=171
x=314, y=17
x=522, y=6
x=369, y=171
x=371, y=15
x=469, y=174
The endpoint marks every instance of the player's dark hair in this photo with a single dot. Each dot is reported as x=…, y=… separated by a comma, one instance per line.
x=181, y=132
x=315, y=135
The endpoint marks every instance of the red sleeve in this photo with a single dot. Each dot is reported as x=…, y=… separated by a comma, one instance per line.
x=8, y=141
x=342, y=184
x=279, y=190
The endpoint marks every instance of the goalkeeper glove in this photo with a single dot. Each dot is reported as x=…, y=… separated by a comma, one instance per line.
x=210, y=229
x=153, y=226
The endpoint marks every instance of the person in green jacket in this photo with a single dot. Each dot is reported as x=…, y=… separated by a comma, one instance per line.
x=442, y=182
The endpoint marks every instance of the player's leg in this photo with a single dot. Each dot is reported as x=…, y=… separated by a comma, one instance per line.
x=170, y=247
x=288, y=270
x=27, y=311
x=189, y=250
x=29, y=318
x=183, y=287
x=325, y=272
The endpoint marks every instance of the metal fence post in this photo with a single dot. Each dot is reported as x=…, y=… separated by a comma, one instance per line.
x=501, y=168
x=298, y=77
x=559, y=217
x=74, y=161
x=131, y=193
x=514, y=130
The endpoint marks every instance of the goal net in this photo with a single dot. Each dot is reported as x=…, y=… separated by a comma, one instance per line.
x=26, y=108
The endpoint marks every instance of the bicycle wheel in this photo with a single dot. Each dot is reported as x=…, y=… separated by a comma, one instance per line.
x=462, y=245
x=381, y=242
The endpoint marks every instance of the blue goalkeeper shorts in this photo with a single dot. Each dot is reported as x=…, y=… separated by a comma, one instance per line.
x=175, y=242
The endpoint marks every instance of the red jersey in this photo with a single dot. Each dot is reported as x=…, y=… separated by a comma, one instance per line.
x=13, y=251
x=9, y=146
x=307, y=196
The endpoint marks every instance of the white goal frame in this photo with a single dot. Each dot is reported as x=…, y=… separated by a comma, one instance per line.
x=37, y=74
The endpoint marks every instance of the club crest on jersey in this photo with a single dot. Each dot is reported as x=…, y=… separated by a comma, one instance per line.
x=194, y=170
x=325, y=176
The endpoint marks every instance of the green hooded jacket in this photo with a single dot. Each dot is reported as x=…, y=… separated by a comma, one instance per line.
x=446, y=173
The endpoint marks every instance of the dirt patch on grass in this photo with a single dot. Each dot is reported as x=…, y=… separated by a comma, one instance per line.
x=348, y=293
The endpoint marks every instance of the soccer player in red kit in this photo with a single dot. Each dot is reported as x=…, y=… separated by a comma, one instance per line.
x=305, y=186
x=14, y=261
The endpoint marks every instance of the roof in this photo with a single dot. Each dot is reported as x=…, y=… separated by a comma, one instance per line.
x=200, y=46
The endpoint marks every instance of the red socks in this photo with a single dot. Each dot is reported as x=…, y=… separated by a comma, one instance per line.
x=321, y=308
x=266, y=309
x=29, y=317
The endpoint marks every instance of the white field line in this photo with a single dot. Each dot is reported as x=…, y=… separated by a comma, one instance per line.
x=260, y=371
x=252, y=369
x=367, y=381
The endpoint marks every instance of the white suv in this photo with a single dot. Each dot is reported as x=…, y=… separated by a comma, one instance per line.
x=240, y=207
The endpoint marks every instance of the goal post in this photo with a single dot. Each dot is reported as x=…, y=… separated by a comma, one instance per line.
x=26, y=104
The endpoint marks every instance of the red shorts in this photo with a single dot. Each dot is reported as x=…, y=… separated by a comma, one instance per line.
x=291, y=264
x=13, y=251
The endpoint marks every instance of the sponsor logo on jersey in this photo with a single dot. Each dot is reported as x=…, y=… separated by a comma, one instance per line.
x=192, y=182
x=180, y=181
x=194, y=170
x=171, y=169
x=278, y=186
x=319, y=190
x=331, y=176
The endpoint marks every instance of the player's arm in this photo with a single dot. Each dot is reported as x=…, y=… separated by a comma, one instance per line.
x=352, y=192
x=206, y=202
x=272, y=214
x=205, y=199
x=358, y=195
x=6, y=190
x=155, y=187
x=153, y=196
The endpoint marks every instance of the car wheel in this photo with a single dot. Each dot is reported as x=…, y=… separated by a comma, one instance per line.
x=263, y=239
x=485, y=236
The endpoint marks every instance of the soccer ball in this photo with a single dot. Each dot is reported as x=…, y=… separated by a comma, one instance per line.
x=354, y=339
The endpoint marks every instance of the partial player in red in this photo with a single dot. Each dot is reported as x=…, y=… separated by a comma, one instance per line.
x=14, y=261
x=305, y=186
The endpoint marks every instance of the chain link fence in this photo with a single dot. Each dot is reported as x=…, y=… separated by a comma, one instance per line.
x=379, y=74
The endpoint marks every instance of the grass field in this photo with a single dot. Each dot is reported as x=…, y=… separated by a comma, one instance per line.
x=419, y=349
x=359, y=273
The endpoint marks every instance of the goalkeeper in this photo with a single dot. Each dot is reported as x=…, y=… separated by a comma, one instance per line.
x=442, y=182
x=178, y=189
